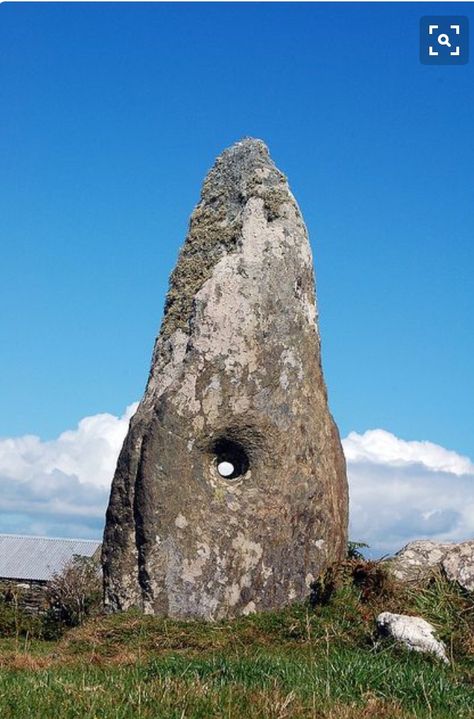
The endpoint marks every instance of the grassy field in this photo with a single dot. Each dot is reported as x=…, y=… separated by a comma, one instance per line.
x=319, y=661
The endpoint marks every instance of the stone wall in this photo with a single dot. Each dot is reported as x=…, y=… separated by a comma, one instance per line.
x=26, y=595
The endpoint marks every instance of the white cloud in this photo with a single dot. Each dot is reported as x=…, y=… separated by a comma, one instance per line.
x=377, y=445
x=61, y=487
x=399, y=490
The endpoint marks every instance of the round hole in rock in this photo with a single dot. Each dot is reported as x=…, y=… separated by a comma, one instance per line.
x=225, y=469
x=231, y=459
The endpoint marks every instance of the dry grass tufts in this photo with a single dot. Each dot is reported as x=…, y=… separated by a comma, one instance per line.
x=25, y=661
x=373, y=708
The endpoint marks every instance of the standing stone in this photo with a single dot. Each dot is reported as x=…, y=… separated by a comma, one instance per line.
x=230, y=493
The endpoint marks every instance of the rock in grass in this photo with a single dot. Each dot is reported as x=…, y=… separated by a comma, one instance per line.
x=230, y=493
x=417, y=559
x=415, y=633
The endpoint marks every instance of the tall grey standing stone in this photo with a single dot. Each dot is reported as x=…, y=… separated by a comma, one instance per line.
x=230, y=493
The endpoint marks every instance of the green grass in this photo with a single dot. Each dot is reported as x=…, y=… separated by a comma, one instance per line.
x=242, y=684
x=318, y=662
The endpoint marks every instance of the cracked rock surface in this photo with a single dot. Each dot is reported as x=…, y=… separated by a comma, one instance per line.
x=230, y=492
x=417, y=559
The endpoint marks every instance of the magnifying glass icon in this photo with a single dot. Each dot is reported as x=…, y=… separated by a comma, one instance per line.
x=443, y=39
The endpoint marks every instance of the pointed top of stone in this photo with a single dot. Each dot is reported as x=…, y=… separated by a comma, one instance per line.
x=246, y=144
x=247, y=153
x=242, y=171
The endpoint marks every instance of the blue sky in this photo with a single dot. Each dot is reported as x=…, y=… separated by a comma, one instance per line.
x=111, y=116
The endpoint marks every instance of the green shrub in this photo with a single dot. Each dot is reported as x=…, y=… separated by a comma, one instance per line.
x=73, y=595
x=15, y=621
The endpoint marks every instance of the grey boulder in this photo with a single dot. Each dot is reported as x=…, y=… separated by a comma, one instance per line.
x=418, y=559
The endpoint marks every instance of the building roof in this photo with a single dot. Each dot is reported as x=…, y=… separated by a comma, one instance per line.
x=39, y=558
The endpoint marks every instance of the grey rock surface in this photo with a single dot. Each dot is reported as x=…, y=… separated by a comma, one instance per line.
x=415, y=633
x=230, y=493
x=417, y=559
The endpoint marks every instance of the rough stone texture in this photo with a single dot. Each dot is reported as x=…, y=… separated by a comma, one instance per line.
x=29, y=596
x=418, y=559
x=236, y=375
x=414, y=633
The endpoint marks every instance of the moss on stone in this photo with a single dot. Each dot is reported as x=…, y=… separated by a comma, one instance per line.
x=210, y=236
x=216, y=223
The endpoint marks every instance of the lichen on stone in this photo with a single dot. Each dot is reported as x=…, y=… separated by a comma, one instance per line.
x=243, y=171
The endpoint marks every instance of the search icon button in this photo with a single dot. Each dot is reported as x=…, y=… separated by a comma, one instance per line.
x=443, y=39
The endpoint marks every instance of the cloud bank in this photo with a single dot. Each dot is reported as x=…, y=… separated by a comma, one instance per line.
x=61, y=487
x=403, y=490
x=400, y=490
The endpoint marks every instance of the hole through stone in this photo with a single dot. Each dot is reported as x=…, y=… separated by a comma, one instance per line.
x=231, y=459
x=225, y=469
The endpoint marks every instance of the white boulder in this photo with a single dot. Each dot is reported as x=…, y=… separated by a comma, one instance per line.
x=415, y=633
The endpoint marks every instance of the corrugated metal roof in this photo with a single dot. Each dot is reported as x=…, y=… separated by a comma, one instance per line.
x=38, y=558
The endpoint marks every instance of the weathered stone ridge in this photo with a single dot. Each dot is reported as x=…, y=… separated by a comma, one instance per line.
x=235, y=381
x=418, y=559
